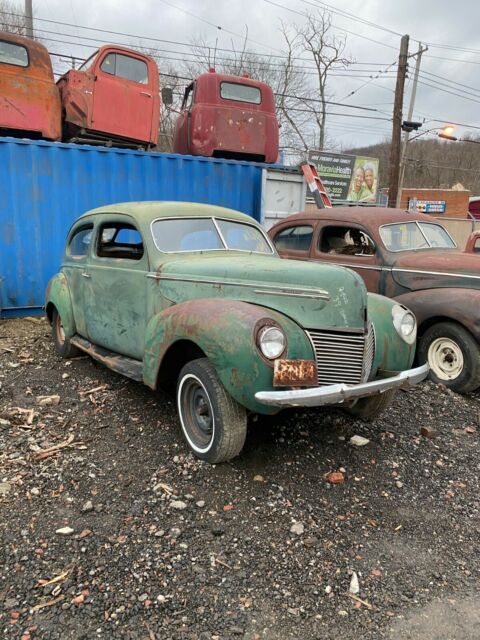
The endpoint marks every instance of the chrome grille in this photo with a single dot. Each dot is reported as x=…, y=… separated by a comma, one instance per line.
x=343, y=357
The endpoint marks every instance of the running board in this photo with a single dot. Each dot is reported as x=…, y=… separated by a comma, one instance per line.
x=121, y=364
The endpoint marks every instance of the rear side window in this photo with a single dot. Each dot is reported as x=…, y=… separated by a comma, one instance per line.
x=15, y=54
x=294, y=238
x=80, y=242
x=240, y=92
x=119, y=240
x=117, y=64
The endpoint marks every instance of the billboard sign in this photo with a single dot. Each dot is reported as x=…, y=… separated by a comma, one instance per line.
x=346, y=177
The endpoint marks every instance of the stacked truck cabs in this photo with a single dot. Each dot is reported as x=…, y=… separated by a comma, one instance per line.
x=112, y=99
x=114, y=96
x=228, y=116
x=29, y=100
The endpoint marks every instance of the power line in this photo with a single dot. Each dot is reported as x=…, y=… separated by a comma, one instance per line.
x=358, y=35
x=458, y=95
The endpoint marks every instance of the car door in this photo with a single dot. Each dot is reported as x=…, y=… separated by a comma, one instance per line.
x=75, y=268
x=294, y=241
x=349, y=245
x=116, y=289
x=122, y=99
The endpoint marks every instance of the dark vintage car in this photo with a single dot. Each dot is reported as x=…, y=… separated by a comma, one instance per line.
x=195, y=297
x=409, y=257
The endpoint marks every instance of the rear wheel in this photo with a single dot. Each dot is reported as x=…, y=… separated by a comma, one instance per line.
x=369, y=408
x=213, y=423
x=63, y=346
x=453, y=356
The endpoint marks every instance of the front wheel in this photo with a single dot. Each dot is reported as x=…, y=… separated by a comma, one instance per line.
x=213, y=423
x=373, y=406
x=453, y=356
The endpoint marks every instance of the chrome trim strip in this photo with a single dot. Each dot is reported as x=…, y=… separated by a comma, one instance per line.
x=436, y=273
x=339, y=393
x=259, y=288
x=299, y=293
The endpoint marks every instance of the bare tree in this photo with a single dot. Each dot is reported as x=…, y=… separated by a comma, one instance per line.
x=327, y=51
x=12, y=18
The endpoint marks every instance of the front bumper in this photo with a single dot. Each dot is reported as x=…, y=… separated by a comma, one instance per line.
x=339, y=393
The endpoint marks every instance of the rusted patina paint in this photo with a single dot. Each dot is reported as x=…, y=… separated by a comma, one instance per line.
x=58, y=296
x=295, y=373
x=434, y=283
x=121, y=364
x=472, y=245
x=225, y=332
x=29, y=98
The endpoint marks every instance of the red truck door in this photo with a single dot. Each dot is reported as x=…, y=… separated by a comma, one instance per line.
x=123, y=96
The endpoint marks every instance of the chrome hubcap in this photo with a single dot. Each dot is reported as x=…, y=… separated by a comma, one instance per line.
x=445, y=359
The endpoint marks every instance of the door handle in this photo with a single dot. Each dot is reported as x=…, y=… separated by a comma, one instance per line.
x=86, y=275
x=144, y=93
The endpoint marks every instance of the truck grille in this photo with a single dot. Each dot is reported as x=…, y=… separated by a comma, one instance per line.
x=343, y=357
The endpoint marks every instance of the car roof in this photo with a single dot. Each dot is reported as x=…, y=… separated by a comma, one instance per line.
x=361, y=215
x=150, y=210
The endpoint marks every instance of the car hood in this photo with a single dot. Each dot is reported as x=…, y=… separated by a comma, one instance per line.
x=314, y=295
x=434, y=268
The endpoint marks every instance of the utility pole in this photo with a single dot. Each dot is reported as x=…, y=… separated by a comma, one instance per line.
x=397, y=123
x=29, y=18
x=406, y=135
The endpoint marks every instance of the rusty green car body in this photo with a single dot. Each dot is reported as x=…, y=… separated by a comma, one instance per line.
x=168, y=293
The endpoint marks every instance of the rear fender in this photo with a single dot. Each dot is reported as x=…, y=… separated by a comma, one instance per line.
x=225, y=330
x=58, y=296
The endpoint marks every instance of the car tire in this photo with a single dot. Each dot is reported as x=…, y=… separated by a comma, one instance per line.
x=453, y=355
x=370, y=408
x=63, y=346
x=213, y=423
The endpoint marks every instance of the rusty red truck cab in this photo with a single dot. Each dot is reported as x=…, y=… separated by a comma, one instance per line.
x=29, y=99
x=114, y=96
x=228, y=117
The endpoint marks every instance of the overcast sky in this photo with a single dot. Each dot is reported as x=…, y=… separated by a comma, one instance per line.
x=437, y=22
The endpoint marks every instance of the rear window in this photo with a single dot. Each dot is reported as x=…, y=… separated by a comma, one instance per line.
x=15, y=54
x=240, y=92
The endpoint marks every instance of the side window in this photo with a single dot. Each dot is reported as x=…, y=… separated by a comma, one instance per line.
x=117, y=64
x=294, y=238
x=108, y=64
x=80, y=242
x=119, y=240
x=11, y=53
x=348, y=241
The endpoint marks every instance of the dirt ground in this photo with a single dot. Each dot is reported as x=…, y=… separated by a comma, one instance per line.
x=110, y=529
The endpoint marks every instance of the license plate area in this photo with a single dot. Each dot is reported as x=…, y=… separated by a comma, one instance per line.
x=295, y=373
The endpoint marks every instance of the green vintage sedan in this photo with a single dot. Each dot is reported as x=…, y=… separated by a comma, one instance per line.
x=194, y=298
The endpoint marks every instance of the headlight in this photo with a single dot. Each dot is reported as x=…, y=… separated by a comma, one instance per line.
x=405, y=323
x=272, y=341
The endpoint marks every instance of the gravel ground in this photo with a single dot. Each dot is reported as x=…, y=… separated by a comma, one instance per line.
x=110, y=529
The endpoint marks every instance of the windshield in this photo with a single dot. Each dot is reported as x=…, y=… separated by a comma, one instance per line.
x=208, y=234
x=11, y=53
x=407, y=236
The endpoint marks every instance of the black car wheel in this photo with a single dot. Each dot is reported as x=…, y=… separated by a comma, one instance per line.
x=369, y=408
x=63, y=346
x=213, y=423
x=453, y=355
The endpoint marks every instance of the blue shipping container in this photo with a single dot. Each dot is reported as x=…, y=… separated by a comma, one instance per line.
x=45, y=186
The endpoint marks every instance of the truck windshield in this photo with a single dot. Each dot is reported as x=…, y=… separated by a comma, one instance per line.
x=408, y=236
x=240, y=92
x=15, y=54
x=207, y=234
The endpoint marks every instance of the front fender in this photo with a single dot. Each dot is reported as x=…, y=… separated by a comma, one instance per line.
x=459, y=305
x=225, y=331
x=58, y=294
x=392, y=353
